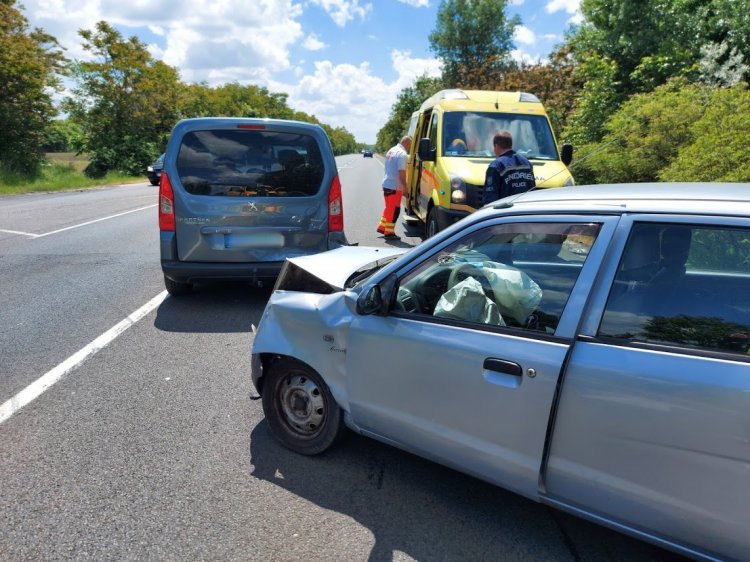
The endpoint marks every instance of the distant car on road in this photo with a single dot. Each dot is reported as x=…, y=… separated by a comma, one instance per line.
x=367, y=153
x=586, y=347
x=154, y=170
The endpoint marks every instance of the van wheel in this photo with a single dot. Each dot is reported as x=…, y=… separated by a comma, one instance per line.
x=177, y=289
x=301, y=411
x=432, y=227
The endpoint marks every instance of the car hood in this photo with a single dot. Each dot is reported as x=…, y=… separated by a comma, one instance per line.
x=329, y=272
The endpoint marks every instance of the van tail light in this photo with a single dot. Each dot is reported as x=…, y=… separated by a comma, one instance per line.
x=166, y=204
x=335, y=207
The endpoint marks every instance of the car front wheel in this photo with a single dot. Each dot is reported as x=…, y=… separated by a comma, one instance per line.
x=301, y=411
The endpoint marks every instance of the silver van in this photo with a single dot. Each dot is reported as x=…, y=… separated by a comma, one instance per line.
x=239, y=196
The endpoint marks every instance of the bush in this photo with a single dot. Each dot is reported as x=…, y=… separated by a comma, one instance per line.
x=721, y=137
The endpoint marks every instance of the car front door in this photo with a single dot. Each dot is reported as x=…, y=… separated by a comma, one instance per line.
x=464, y=369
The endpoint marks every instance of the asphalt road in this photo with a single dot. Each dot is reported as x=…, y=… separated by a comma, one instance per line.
x=150, y=448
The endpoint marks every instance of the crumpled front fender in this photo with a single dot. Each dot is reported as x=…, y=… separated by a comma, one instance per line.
x=311, y=328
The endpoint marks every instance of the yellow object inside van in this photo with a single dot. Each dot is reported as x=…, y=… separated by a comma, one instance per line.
x=452, y=146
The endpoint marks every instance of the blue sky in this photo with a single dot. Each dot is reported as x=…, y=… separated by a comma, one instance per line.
x=344, y=61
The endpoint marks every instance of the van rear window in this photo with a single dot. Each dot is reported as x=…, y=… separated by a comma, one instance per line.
x=231, y=162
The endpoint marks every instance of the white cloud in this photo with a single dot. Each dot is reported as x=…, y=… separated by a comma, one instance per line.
x=229, y=41
x=525, y=58
x=524, y=35
x=568, y=6
x=341, y=11
x=312, y=43
x=419, y=3
x=572, y=7
x=352, y=96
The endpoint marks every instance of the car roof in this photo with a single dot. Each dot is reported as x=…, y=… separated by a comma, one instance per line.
x=731, y=199
x=198, y=123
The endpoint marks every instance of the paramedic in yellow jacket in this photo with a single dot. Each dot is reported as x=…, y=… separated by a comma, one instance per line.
x=394, y=183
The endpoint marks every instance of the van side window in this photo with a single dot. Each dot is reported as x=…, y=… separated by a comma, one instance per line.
x=517, y=275
x=433, y=131
x=250, y=163
x=683, y=285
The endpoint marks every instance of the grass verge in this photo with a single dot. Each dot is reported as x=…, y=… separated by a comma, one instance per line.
x=61, y=172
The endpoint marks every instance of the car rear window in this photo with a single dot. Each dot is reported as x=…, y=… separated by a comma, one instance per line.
x=255, y=163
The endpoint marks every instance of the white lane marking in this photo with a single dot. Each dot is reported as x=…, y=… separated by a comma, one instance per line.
x=32, y=235
x=18, y=232
x=97, y=220
x=46, y=381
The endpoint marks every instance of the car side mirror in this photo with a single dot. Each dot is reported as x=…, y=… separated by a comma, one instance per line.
x=379, y=298
x=567, y=153
x=426, y=154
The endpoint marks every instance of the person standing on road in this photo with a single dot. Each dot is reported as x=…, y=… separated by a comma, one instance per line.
x=394, y=184
x=509, y=173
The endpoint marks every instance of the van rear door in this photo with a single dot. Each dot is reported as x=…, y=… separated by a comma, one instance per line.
x=248, y=191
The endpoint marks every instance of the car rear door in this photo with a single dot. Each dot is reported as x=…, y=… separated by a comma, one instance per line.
x=653, y=423
x=249, y=192
x=472, y=395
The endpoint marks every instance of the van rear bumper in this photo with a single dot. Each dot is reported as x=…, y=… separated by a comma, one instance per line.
x=188, y=272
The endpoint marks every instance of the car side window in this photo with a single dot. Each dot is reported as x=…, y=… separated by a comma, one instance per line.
x=518, y=275
x=683, y=285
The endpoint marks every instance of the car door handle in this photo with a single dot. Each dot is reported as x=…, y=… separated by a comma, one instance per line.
x=503, y=366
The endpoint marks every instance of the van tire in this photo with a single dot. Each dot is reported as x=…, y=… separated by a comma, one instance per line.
x=302, y=413
x=432, y=227
x=177, y=289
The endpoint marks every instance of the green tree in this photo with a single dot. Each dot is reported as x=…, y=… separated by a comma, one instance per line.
x=723, y=130
x=408, y=101
x=30, y=62
x=125, y=102
x=472, y=34
x=61, y=135
x=236, y=100
x=553, y=83
x=644, y=135
x=626, y=47
x=342, y=141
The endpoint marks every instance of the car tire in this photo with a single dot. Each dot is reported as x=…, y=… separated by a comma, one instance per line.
x=154, y=182
x=177, y=289
x=432, y=227
x=301, y=411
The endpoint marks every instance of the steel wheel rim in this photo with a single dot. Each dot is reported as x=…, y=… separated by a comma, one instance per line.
x=302, y=405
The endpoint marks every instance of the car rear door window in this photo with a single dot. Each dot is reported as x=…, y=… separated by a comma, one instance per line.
x=253, y=163
x=684, y=285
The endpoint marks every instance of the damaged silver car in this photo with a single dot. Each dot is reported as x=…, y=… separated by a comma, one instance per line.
x=588, y=348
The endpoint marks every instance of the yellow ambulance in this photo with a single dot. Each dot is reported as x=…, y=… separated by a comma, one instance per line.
x=452, y=146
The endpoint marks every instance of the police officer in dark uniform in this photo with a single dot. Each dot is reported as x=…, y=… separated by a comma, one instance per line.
x=509, y=173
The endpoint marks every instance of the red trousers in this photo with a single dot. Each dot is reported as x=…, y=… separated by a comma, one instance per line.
x=392, y=209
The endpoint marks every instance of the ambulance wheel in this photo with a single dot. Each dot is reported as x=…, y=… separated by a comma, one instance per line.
x=432, y=227
x=301, y=411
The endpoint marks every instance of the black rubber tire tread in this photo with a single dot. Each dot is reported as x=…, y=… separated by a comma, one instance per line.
x=177, y=289
x=431, y=219
x=331, y=429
